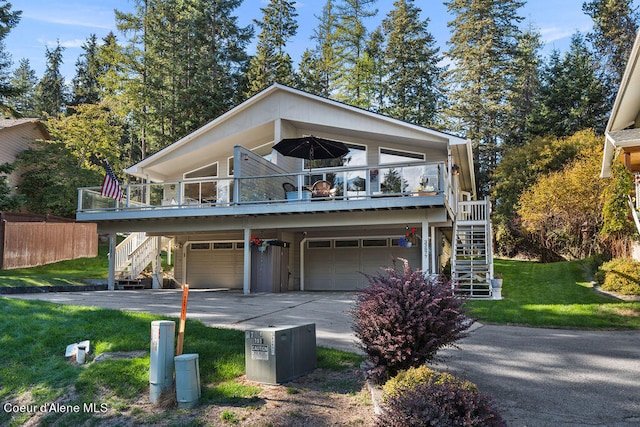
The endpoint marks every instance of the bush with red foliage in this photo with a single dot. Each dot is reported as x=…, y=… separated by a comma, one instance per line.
x=403, y=318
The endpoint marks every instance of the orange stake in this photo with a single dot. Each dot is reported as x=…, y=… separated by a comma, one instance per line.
x=183, y=319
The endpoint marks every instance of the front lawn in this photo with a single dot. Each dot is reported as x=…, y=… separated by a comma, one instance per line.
x=554, y=295
x=34, y=371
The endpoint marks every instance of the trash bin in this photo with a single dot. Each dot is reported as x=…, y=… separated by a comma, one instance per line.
x=187, y=380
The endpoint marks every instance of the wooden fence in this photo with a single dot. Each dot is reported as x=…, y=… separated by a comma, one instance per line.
x=32, y=240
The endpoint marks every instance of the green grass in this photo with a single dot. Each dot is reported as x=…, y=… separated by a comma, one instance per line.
x=62, y=273
x=34, y=335
x=553, y=295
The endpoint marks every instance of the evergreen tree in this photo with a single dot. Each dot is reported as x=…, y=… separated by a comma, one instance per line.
x=323, y=62
x=24, y=80
x=414, y=79
x=186, y=65
x=571, y=97
x=482, y=48
x=50, y=91
x=373, y=65
x=615, y=24
x=350, y=41
x=272, y=64
x=524, y=89
x=309, y=77
x=8, y=20
x=85, y=85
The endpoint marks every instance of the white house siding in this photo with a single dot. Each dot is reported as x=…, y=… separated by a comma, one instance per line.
x=340, y=269
x=215, y=268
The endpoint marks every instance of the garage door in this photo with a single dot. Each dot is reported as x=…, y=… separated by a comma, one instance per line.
x=337, y=265
x=215, y=265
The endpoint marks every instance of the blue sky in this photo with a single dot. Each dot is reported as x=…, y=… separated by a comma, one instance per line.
x=72, y=21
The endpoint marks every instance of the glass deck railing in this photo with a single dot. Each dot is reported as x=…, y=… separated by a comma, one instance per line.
x=335, y=184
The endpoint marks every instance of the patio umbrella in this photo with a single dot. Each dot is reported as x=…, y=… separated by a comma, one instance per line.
x=311, y=148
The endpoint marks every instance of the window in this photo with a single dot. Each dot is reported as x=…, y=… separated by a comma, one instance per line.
x=388, y=156
x=209, y=171
x=374, y=243
x=347, y=243
x=319, y=244
x=357, y=156
x=200, y=246
x=223, y=245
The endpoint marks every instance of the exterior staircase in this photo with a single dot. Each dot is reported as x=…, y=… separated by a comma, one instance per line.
x=133, y=255
x=472, y=262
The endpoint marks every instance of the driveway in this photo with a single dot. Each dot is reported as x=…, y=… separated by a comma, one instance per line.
x=538, y=377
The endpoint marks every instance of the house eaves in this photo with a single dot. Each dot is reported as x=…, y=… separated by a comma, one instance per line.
x=624, y=114
x=144, y=168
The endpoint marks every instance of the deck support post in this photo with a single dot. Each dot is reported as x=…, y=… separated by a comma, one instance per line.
x=246, y=284
x=111, y=281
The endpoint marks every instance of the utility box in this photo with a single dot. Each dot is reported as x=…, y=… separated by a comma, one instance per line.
x=275, y=355
x=187, y=380
x=161, y=358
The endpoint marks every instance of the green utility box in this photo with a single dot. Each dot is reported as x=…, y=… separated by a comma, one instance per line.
x=275, y=355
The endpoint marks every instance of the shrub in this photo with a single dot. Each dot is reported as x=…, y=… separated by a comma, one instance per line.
x=445, y=404
x=402, y=319
x=419, y=376
x=621, y=275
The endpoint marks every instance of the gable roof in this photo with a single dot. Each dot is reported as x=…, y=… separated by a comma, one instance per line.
x=624, y=117
x=10, y=123
x=278, y=102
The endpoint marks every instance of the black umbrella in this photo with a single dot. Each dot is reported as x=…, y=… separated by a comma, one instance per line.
x=311, y=148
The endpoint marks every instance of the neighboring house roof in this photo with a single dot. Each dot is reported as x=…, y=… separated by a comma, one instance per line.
x=17, y=135
x=10, y=123
x=621, y=131
x=259, y=116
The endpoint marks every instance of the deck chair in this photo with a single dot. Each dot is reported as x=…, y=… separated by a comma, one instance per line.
x=322, y=189
x=288, y=188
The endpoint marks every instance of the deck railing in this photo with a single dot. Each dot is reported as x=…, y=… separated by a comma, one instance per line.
x=347, y=183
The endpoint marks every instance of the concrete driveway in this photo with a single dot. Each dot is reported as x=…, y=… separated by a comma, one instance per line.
x=538, y=377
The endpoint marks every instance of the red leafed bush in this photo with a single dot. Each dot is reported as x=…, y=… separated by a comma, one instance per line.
x=444, y=404
x=402, y=319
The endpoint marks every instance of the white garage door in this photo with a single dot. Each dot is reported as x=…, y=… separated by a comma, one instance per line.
x=215, y=265
x=337, y=265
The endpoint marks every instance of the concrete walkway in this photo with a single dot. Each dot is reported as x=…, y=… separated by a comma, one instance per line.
x=538, y=377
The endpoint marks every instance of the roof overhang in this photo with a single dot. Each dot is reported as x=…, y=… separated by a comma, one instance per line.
x=619, y=133
x=259, y=119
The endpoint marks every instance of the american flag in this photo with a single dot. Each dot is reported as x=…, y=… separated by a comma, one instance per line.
x=110, y=185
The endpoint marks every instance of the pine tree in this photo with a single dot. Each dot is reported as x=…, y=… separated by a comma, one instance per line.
x=85, y=85
x=51, y=91
x=8, y=20
x=322, y=62
x=350, y=41
x=186, y=65
x=482, y=48
x=615, y=23
x=572, y=97
x=414, y=87
x=272, y=64
x=524, y=89
x=24, y=80
x=373, y=65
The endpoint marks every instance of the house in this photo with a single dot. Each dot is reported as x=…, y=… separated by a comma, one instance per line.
x=241, y=215
x=16, y=136
x=622, y=134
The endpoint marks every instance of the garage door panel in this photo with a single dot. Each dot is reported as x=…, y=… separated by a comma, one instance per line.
x=215, y=269
x=342, y=268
